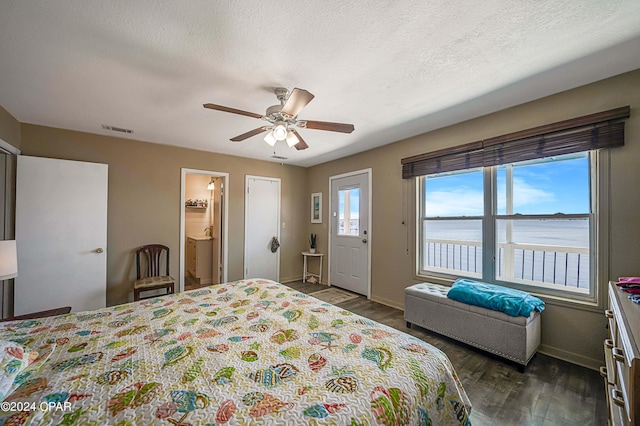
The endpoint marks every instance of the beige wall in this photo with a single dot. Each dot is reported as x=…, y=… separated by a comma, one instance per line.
x=9, y=128
x=144, y=198
x=568, y=332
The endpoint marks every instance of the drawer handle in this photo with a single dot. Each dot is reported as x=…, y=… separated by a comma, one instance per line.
x=603, y=371
x=608, y=343
x=617, y=397
x=618, y=354
x=608, y=313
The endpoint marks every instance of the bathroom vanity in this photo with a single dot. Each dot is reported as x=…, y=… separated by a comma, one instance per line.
x=200, y=258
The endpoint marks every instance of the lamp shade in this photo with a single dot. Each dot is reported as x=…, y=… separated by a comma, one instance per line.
x=280, y=132
x=8, y=260
x=292, y=139
x=211, y=185
x=270, y=139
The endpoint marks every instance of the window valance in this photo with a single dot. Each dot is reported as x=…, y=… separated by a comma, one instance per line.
x=595, y=131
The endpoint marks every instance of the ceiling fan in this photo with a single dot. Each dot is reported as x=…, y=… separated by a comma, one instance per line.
x=282, y=118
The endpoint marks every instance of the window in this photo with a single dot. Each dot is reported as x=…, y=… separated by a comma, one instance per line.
x=535, y=225
x=349, y=209
x=452, y=213
x=529, y=223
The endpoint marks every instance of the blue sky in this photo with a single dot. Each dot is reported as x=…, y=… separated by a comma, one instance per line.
x=354, y=197
x=552, y=186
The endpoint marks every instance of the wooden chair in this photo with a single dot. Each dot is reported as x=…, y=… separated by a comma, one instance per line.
x=149, y=259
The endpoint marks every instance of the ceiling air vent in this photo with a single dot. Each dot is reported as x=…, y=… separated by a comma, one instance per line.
x=279, y=157
x=116, y=129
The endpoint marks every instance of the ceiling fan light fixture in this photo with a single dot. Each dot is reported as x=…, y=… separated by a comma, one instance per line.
x=280, y=132
x=292, y=139
x=281, y=117
x=270, y=139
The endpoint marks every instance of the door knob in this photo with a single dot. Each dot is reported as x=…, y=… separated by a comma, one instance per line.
x=99, y=250
x=364, y=240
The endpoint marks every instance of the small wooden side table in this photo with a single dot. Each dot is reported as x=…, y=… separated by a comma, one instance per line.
x=305, y=271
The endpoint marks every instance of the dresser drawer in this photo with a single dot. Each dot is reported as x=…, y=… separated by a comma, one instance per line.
x=622, y=347
x=613, y=329
x=622, y=391
x=610, y=365
x=617, y=414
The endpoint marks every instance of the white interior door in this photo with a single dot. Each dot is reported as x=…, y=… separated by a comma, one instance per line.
x=61, y=234
x=262, y=224
x=217, y=230
x=221, y=241
x=349, y=260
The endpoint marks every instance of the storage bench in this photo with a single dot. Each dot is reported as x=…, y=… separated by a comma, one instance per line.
x=513, y=338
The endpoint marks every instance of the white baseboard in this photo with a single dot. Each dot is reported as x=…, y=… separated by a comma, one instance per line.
x=591, y=363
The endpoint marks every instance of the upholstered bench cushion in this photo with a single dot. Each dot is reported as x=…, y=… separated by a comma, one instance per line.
x=514, y=338
x=436, y=292
x=153, y=282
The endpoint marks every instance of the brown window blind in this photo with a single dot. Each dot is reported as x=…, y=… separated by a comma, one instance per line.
x=590, y=132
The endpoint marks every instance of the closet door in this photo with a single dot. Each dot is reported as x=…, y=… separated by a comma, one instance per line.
x=61, y=234
x=262, y=224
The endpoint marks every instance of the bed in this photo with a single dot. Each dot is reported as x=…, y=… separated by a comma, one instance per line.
x=244, y=352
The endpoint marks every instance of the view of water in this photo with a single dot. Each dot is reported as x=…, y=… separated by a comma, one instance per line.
x=556, y=232
x=546, y=264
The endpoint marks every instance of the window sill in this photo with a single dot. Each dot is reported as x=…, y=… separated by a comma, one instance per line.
x=583, y=305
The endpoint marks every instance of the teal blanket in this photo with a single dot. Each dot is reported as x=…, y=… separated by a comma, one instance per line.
x=511, y=302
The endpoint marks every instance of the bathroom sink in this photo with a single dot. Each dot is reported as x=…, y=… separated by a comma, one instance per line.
x=200, y=237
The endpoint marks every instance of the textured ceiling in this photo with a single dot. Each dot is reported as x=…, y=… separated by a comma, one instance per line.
x=393, y=69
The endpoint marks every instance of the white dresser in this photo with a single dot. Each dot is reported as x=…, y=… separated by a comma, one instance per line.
x=622, y=356
x=200, y=258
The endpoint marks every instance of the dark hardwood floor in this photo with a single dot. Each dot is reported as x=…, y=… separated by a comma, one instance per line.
x=549, y=392
x=191, y=283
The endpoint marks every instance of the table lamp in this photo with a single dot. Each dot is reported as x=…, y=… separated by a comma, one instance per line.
x=8, y=260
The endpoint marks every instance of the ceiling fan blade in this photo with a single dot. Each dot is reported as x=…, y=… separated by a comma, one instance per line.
x=232, y=110
x=298, y=99
x=249, y=134
x=301, y=144
x=333, y=127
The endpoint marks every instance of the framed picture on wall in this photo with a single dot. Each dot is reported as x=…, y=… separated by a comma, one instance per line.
x=316, y=207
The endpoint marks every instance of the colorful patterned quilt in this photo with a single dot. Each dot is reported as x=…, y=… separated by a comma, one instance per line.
x=245, y=352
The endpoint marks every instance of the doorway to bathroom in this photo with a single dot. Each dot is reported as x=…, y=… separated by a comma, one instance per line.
x=203, y=228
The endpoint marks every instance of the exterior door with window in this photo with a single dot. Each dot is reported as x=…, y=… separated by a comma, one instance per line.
x=349, y=263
